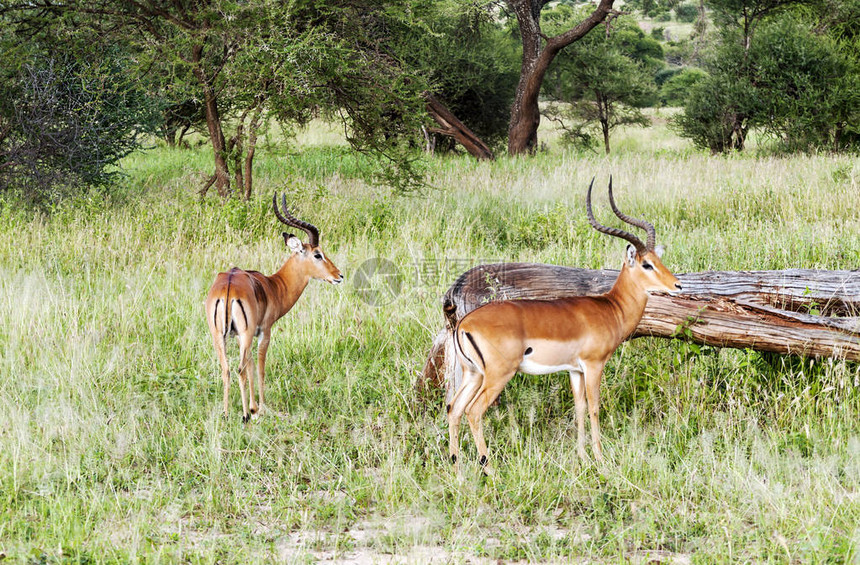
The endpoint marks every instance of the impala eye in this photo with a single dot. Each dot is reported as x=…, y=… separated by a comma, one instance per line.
x=648, y=266
x=318, y=256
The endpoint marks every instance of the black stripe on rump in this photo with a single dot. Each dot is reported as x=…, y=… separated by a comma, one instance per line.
x=242, y=308
x=227, y=305
x=475, y=346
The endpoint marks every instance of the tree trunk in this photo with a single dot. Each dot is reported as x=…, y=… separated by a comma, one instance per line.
x=236, y=148
x=525, y=113
x=452, y=127
x=213, y=123
x=604, y=127
x=252, y=148
x=800, y=312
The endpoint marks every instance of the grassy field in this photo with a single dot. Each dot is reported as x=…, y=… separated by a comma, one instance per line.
x=113, y=447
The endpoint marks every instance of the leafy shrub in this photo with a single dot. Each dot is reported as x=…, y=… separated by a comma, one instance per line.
x=664, y=74
x=796, y=85
x=67, y=124
x=675, y=90
x=686, y=12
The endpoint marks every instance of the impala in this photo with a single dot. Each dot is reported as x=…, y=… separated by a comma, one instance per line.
x=247, y=303
x=576, y=334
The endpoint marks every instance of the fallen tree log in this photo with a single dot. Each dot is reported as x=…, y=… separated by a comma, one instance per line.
x=802, y=312
x=451, y=126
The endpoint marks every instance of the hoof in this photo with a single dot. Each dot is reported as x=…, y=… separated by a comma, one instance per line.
x=482, y=461
x=245, y=419
x=453, y=459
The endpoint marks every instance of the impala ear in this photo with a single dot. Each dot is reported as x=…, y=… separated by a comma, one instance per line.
x=294, y=243
x=659, y=250
x=630, y=256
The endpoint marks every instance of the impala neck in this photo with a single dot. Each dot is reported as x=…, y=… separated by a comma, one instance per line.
x=290, y=281
x=629, y=298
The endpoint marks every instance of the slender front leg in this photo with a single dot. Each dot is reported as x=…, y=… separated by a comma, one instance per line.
x=593, y=376
x=262, y=348
x=578, y=386
x=475, y=413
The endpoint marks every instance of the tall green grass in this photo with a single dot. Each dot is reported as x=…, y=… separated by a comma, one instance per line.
x=113, y=447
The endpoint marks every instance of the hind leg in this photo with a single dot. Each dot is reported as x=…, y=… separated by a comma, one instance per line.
x=221, y=351
x=220, y=343
x=262, y=348
x=465, y=394
x=486, y=395
x=246, y=374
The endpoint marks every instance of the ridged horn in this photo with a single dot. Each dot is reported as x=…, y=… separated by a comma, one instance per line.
x=290, y=220
x=647, y=226
x=635, y=241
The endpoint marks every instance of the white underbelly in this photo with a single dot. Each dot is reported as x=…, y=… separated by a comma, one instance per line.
x=532, y=368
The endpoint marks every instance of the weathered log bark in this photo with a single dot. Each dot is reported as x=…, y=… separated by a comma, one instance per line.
x=450, y=126
x=803, y=312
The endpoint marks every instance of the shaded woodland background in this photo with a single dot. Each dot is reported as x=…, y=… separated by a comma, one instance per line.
x=85, y=83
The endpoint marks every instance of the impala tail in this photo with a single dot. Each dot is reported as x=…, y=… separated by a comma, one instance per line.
x=468, y=350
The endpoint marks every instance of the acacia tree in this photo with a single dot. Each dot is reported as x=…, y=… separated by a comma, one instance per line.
x=539, y=50
x=738, y=21
x=604, y=89
x=603, y=80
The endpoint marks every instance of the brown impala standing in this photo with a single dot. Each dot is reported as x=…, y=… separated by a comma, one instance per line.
x=247, y=303
x=538, y=337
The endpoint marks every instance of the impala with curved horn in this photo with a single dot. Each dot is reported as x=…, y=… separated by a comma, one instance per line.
x=247, y=303
x=576, y=334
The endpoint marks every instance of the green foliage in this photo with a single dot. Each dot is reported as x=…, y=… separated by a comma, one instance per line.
x=632, y=41
x=602, y=82
x=795, y=84
x=686, y=12
x=68, y=113
x=658, y=9
x=810, y=88
x=674, y=91
x=469, y=61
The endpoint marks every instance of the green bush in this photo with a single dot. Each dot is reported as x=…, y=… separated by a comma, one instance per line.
x=686, y=12
x=675, y=90
x=795, y=84
x=69, y=122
